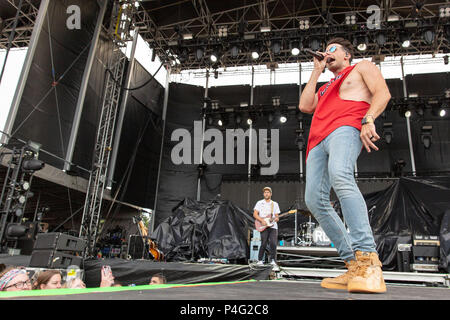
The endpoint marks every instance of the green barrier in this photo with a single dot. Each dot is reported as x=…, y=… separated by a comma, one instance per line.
x=64, y=291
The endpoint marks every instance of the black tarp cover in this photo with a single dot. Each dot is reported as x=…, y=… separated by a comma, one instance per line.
x=139, y=272
x=217, y=229
x=409, y=206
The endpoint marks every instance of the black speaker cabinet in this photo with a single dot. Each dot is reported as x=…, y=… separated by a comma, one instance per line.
x=59, y=241
x=136, y=247
x=54, y=259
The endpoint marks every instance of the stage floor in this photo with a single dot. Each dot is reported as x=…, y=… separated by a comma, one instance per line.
x=247, y=290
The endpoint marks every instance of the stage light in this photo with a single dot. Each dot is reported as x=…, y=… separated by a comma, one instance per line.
x=199, y=52
x=444, y=11
x=265, y=29
x=408, y=114
x=25, y=185
x=220, y=122
x=426, y=136
x=276, y=101
x=188, y=36
x=276, y=47
x=314, y=44
x=361, y=43
x=238, y=119
x=32, y=165
x=442, y=113
x=234, y=51
x=428, y=36
x=283, y=118
x=214, y=57
x=404, y=39
x=350, y=18
x=223, y=31
x=387, y=132
x=303, y=23
x=295, y=48
x=249, y=121
x=380, y=38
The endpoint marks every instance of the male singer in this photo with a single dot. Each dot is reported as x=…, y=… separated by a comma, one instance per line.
x=343, y=122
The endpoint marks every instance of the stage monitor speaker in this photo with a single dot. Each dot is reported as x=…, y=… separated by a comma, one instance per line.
x=54, y=259
x=60, y=242
x=136, y=247
x=404, y=257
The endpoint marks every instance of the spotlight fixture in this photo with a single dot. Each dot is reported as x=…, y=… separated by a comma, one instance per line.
x=223, y=31
x=380, y=39
x=32, y=165
x=314, y=44
x=25, y=185
x=283, y=118
x=199, y=52
x=350, y=18
x=408, y=114
x=188, y=36
x=238, y=119
x=276, y=101
x=404, y=39
x=428, y=36
x=426, y=136
x=444, y=11
x=234, y=51
x=214, y=57
x=361, y=43
x=295, y=48
x=276, y=47
x=303, y=23
x=387, y=132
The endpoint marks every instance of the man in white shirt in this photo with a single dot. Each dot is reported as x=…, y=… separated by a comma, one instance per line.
x=267, y=208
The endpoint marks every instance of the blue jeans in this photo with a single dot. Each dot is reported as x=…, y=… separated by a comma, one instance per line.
x=331, y=164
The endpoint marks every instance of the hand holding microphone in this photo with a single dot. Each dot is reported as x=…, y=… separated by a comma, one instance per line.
x=319, y=59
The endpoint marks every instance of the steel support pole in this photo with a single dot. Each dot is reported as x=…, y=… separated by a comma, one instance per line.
x=164, y=113
x=83, y=86
x=123, y=107
x=25, y=70
x=408, y=125
x=250, y=142
x=203, y=135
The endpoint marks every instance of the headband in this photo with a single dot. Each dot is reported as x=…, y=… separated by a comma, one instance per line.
x=7, y=277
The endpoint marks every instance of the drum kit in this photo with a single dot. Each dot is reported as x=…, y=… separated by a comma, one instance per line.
x=312, y=234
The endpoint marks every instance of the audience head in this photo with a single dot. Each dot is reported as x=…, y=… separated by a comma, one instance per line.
x=49, y=279
x=14, y=279
x=158, y=278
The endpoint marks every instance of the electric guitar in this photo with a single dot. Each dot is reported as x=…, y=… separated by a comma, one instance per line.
x=269, y=221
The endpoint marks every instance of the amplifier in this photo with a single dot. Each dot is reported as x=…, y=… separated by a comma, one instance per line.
x=59, y=241
x=254, y=250
x=425, y=267
x=54, y=259
x=422, y=240
x=404, y=257
x=136, y=247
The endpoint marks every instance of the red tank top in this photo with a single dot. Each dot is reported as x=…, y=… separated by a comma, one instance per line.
x=333, y=112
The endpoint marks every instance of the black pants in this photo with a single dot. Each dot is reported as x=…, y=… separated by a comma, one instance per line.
x=270, y=236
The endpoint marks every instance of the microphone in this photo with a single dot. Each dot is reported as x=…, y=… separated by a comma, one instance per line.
x=315, y=54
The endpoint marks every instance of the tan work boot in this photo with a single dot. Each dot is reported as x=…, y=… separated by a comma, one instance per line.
x=369, y=276
x=340, y=282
